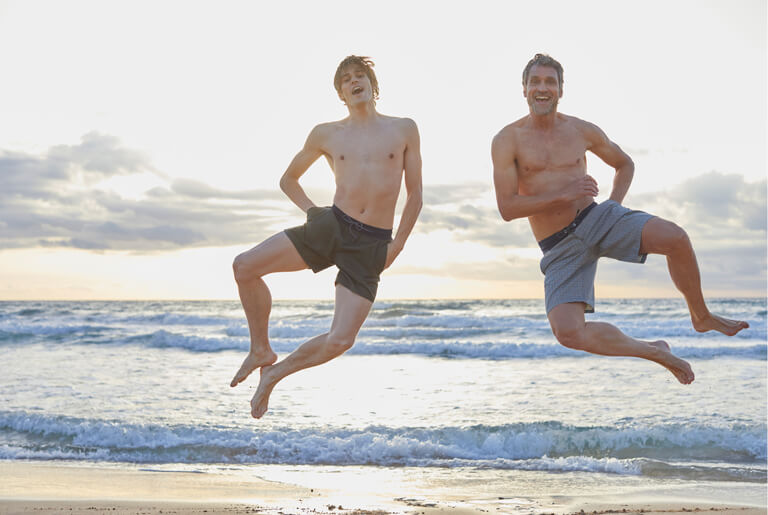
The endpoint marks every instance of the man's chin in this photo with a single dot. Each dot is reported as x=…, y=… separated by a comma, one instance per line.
x=358, y=101
x=542, y=110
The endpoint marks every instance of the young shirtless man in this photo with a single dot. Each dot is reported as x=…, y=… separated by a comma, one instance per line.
x=540, y=172
x=370, y=154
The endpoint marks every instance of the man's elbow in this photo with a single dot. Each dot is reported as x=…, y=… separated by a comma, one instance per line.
x=284, y=182
x=506, y=215
x=627, y=167
x=506, y=212
x=415, y=197
x=419, y=200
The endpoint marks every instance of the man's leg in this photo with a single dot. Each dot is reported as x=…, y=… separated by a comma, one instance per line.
x=660, y=236
x=571, y=330
x=275, y=254
x=349, y=314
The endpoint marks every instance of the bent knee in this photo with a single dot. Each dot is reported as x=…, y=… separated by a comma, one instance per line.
x=339, y=344
x=242, y=269
x=571, y=337
x=676, y=237
x=670, y=238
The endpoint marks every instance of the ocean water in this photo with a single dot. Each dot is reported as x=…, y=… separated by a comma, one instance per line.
x=471, y=391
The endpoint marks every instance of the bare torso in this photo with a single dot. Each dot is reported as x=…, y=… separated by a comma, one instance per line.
x=547, y=161
x=367, y=161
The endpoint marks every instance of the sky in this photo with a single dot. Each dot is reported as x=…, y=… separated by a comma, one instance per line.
x=142, y=142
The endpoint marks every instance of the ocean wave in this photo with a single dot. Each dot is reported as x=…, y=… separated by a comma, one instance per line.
x=52, y=331
x=531, y=446
x=494, y=329
x=166, y=339
x=449, y=349
x=28, y=312
x=368, y=344
x=399, y=322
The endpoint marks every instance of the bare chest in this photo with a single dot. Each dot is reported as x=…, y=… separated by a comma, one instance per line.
x=560, y=152
x=371, y=160
x=349, y=149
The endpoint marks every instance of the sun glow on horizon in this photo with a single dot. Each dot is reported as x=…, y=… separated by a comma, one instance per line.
x=138, y=167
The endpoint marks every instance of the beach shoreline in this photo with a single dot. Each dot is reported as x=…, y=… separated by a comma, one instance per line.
x=464, y=407
x=45, y=487
x=159, y=507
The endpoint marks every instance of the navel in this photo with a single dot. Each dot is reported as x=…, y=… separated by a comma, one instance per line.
x=341, y=157
x=391, y=156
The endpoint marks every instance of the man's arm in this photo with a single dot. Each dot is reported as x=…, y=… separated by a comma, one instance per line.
x=413, y=189
x=613, y=156
x=510, y=202
x=289, y=182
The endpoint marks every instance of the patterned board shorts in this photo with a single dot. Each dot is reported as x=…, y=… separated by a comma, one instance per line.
x=569, y=268
x=331, y=237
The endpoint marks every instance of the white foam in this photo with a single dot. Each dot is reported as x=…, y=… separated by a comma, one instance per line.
x=533, y=446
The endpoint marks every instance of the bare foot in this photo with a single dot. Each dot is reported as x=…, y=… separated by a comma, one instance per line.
x=715, y=323
x=681, y=369
x=251, y=363
x=260, y=400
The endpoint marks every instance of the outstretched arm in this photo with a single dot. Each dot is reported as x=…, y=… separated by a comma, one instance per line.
x=413, y=202
x=289, y=182
x=510, y=202
x=613, y=156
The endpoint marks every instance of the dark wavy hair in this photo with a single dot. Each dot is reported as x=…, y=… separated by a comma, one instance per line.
x=363, y=62
x=544, y=60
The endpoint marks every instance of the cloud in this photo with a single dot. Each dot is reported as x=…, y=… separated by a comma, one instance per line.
x=199, y=190
x=715, y=208
x=99, y=154
x=724, y=215
x=26, y=177
x=722, y=269
x=58, y=200
x=469, y=212
x=62, y=198
x=451, y=194
x=508, y=269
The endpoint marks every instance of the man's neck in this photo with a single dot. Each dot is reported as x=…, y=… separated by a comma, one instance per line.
x=363, y=112
x=543, y=121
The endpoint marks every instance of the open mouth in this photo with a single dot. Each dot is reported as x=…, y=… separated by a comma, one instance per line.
x=356, y=90
x=542, y=99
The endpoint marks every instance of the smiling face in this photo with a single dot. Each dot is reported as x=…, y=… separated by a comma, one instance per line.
x=354, y=85
x=542, y=89
x=355, y=80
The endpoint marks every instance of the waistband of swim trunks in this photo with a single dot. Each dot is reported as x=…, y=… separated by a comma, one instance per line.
x=374, y=232
x=550, y=241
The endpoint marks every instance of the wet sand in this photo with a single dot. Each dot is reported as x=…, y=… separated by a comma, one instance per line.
x=47, y=488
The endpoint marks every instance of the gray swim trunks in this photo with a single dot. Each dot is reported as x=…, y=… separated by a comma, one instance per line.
x=608, y=230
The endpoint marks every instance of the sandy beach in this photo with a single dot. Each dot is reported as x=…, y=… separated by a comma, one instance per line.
x=37, y=487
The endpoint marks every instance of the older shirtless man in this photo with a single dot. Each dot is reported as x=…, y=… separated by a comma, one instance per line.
x=540, y=172
x=370, y=154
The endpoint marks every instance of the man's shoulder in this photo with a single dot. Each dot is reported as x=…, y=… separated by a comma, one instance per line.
x=509, y=132
x=328, y=126
x=402, y=123
x=323, y=131
x=577, y=122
